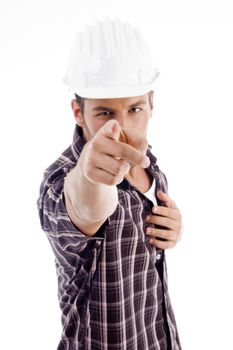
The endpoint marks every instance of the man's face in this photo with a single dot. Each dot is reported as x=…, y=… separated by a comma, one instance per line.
x=130, y=112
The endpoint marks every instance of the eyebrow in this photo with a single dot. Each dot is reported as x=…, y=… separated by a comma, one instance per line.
x=101, y=108
x=138, y=103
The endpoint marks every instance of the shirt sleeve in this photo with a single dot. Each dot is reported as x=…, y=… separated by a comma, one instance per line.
x=68, y=242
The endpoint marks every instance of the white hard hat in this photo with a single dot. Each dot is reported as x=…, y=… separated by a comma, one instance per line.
x=110, y=59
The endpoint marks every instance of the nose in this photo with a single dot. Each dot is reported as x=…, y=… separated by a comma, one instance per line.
x=123, y=120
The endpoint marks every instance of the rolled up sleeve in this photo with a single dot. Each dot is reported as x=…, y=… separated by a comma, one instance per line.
x=67, y=241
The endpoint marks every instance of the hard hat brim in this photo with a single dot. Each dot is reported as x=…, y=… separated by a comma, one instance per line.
x=102, y=92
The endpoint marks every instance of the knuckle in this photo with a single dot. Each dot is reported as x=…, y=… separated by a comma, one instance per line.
x=164, y=234
x=113, y=180
x=121, y=167
x=106, y=179
x=118, y=167
x=160, y=244
x=109, y=181
x=172, y=244
x=141, y=158
x=151, y=231
x=169, y=235
x=118, y=180
x=162, y=220
x=90, y=172
x=166, y=244
x=94, y=144
x=90, y=162
x=173, y=236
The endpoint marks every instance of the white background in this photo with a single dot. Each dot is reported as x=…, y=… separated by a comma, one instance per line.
x=191, y=133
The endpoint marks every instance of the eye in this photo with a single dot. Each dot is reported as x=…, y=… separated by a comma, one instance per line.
x=104, y=114
x=135, y=109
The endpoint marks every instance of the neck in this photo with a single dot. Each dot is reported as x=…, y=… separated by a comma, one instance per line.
x=139, y=178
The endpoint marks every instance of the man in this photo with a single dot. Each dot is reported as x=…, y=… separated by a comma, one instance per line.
x=104, y=204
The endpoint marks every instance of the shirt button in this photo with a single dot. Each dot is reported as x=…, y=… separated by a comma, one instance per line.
x=65, y=170
x=158, y=256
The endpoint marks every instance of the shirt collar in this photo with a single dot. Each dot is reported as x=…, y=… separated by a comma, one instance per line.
x=78, y=141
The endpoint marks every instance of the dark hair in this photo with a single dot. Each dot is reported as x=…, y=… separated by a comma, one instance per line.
x=80, y=100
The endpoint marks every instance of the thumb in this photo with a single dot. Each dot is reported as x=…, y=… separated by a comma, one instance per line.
x=112, y=130
x=166, y=199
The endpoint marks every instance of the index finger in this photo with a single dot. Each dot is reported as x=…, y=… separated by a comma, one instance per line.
x=120, y=148
x=167, y=200
x=171, y=213
x=128, y=153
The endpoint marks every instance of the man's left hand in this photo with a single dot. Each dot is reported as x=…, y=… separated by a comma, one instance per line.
x=169, y=217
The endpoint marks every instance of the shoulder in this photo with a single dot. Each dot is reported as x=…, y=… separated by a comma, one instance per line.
x=66, y=161
x=60, y=167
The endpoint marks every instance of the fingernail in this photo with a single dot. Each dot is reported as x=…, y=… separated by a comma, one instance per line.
x=148, y=231
x=108, y=126
x=154, y=209
x=148, y=218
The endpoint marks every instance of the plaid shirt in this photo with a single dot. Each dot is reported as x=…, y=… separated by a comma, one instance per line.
x=112, y=287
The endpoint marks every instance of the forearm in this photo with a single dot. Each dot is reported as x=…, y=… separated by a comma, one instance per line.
x=88, y=204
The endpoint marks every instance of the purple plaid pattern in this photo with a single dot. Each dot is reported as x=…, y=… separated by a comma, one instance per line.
x=112, y=287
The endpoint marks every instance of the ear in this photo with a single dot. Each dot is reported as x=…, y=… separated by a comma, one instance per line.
x=77, y=114
x=151, y=99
